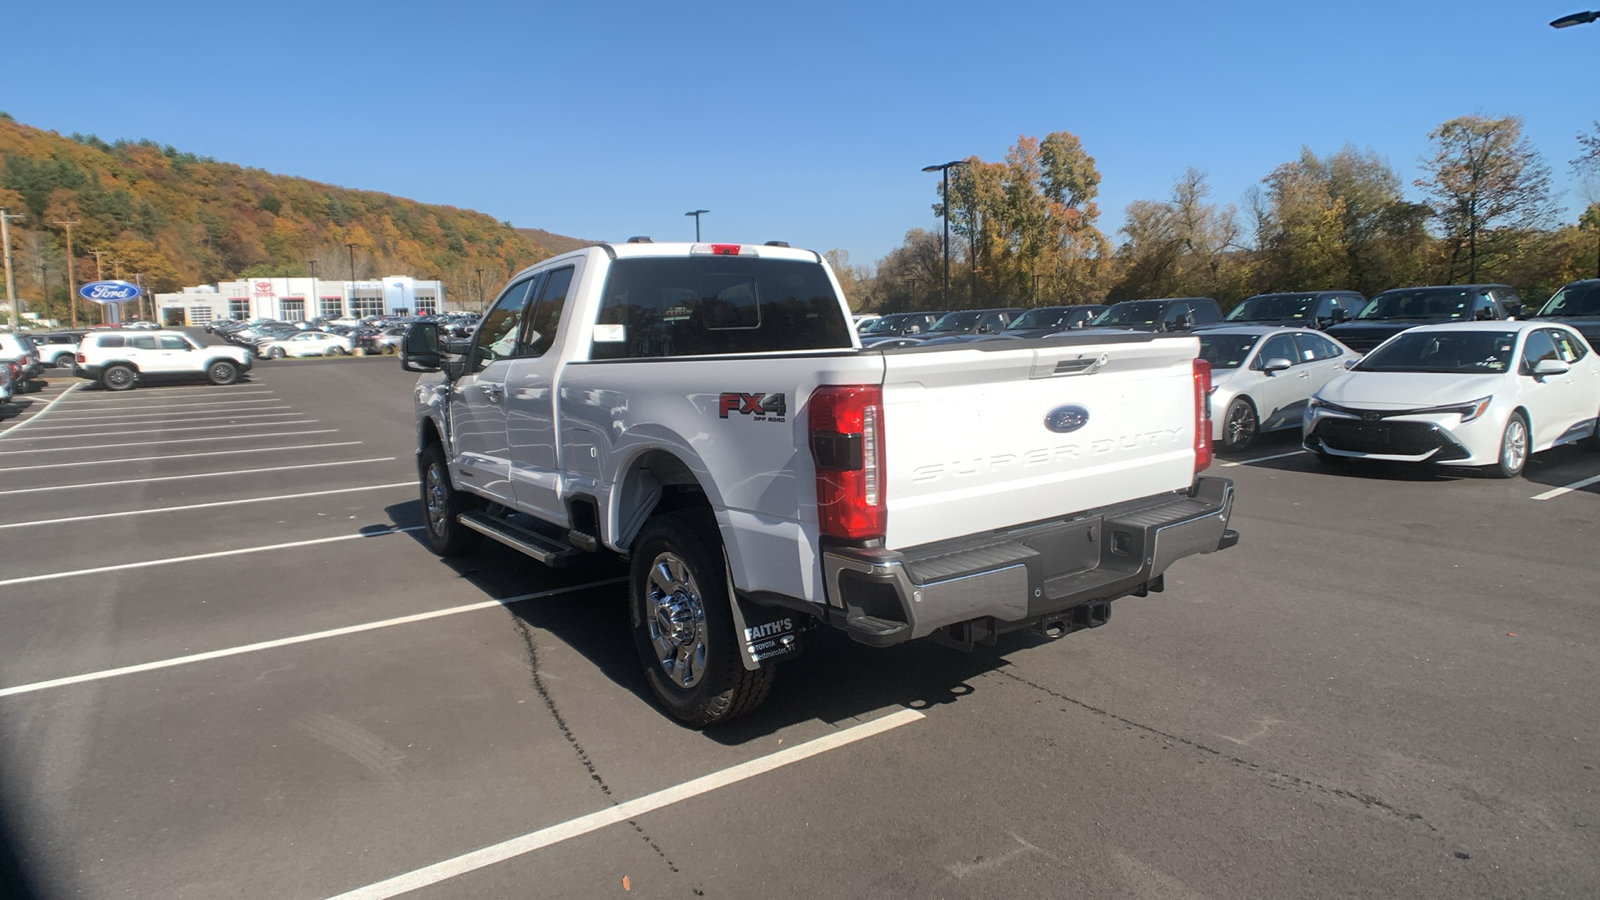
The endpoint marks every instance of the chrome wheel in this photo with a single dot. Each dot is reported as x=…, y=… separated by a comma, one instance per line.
x=1514, y=446
x=438, y=504
x=677, y=620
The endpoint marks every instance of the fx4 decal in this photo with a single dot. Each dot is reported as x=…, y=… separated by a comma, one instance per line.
x=765, y=407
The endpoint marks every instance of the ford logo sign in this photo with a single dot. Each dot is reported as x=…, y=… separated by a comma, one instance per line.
x=109, y=291
x=1063, y=419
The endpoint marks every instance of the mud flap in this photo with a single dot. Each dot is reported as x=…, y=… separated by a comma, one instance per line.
x=765, y=634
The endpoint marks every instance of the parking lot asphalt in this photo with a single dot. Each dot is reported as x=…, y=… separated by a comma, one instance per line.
x=229, y=667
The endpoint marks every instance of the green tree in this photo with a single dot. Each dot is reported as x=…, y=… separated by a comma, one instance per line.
x=1486, y=183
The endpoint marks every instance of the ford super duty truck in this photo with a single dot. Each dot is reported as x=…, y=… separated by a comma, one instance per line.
x=706, y=412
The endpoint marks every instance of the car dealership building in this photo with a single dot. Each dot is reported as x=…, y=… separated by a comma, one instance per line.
x=299, y=299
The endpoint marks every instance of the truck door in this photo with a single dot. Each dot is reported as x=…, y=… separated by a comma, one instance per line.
x=479, y=447
x=530, y=402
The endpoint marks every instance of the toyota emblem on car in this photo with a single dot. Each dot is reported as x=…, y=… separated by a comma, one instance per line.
x=1064, y=419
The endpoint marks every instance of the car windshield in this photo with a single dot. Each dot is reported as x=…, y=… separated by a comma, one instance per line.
x=1453, y=352
x=1574, y=300
x=1274, y=308
x=1226, y=351
x=1426, y=304
x=1133, y=312
x=957, y=321
x=1046, y=317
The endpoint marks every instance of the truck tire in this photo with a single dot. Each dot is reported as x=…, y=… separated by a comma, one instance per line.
x=683, y=625
x=442, y=504
x=118, y=378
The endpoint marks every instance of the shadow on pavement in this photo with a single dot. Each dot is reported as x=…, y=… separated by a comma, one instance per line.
x=833, y=680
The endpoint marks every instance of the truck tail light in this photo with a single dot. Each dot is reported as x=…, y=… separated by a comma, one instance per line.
x=82, y=358
x=1202, y=415
x=846, y=430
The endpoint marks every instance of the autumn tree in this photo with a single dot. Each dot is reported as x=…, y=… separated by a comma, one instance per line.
x=910, y=276
x=1486, y=183
x=1181, y=246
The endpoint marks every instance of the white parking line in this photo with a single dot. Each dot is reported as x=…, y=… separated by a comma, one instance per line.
x=86, y=414
x=1251, y=462
x=36, y=416
x=127, y=459
x=622, y=812
x=1567, y=489
x=172, y=560
x=228, y=474
x=297, y=639
x=173, y=441
x=90, y=399
x=210, y=415
x=248, y=500
x=221, y=437
x=44, y=437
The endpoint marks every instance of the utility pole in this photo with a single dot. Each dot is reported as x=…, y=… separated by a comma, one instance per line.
x=352, y=248
x=316, y=302
x=13, y=303
x=138, y=278
x=72, y=279
x=99, y=264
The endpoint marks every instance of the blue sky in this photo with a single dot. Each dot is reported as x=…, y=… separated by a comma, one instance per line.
x=802, y=122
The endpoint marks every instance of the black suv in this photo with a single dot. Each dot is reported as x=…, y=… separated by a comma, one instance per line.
x=1302, y=309
x=1578, y=305
x=1169, y=314
x=1396, y=310
x=899, y=324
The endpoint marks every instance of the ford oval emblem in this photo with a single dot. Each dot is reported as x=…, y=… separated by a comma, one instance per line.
x=109, y=291
x=1063, y=419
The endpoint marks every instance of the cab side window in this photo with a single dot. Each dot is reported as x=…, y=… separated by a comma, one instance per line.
x=173, y=342
x=546, y=317
x=1314, y=347
x=1539, y=347
x=143, y=342
x=498, y=334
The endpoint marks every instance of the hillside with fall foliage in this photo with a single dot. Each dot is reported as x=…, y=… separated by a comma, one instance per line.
x=178, y=219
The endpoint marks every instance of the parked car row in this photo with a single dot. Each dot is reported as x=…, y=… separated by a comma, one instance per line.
x=272, y=339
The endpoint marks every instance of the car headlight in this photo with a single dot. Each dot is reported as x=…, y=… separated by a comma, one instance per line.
x=1467, y=411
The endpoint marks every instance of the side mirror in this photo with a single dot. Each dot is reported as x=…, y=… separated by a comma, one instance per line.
x=1486, y=314
x=1340, y=314
x=1276, y=364
x=1182, y=323
x=1351, y=363
x=419, y=350
x=1546, y=367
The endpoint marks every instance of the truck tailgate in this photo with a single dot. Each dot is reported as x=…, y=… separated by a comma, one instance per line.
x=979, y=437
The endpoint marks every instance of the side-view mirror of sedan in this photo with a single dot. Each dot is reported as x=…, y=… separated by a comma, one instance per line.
x=1351, y=363
x=1546, y=367
x=1276, y=364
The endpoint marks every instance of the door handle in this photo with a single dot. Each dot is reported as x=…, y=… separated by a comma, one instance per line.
x=492, y=391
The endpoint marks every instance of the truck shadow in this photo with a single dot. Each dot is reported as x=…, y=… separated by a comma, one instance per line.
x=833, y=680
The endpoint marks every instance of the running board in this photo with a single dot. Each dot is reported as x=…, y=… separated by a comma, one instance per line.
x=552, y=553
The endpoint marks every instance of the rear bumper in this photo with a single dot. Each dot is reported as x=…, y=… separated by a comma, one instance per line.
x=1028, y=576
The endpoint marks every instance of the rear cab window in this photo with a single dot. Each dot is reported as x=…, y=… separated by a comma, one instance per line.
x=655, y=307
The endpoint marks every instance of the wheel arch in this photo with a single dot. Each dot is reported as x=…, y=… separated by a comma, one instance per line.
x=651, y=481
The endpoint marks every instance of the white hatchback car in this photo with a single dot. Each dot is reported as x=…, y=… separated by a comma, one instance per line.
x=1462, y=394
x=1263, y=375
x=306, y=343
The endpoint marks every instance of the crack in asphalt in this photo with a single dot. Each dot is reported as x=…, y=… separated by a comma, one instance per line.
x=1366, y=800
x=539, y=687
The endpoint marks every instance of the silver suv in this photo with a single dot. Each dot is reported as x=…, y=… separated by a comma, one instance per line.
x=120, y=360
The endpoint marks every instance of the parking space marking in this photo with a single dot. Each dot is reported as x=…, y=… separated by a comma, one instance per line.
x=215, y=503
x=139, y=410
x=164, y=395
x=622, y=812
x=209, y=415
x=106, y=462
x=230, y=424
x=40, y=414
x=243, y=551
x=228, y=474
x=1259, y=459
x=1578, y=485
x=220, y=437
x=103, y=674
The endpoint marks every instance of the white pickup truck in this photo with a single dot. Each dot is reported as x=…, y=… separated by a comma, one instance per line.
x=705, y=411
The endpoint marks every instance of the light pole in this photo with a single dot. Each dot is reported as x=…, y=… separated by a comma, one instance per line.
x=12, y=303
x=697, y=213
x=1577, y=18
x=944, y=213
x=316, y=301
x=352, y=248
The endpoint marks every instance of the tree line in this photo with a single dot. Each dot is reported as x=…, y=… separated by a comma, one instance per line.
x=1026, y=231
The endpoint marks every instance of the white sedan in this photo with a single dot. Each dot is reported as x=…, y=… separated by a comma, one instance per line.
x=1462, y=394
x=1263, y=375
x=306, y=343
